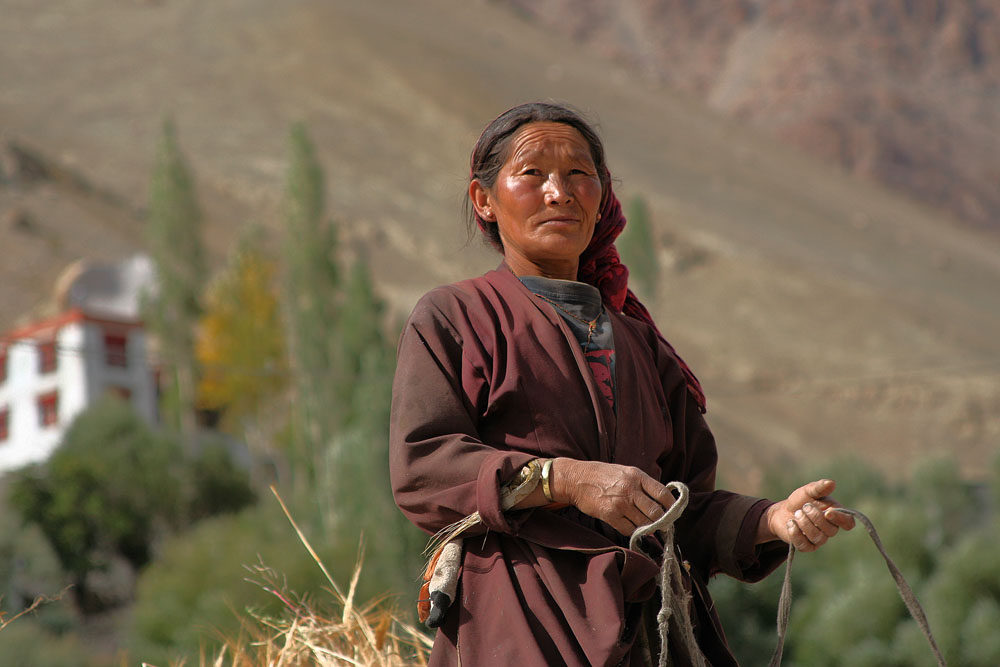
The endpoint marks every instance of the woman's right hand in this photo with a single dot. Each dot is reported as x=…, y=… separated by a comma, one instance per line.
x=623, y=497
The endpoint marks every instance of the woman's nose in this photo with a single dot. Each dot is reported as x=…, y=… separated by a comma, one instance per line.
x=557, y=191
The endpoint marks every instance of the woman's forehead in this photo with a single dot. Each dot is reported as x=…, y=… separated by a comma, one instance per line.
x=535, y=138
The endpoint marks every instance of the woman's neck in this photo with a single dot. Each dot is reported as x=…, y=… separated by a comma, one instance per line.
x=559, y=269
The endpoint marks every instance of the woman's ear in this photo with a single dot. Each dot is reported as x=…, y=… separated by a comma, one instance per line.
x=480, y=198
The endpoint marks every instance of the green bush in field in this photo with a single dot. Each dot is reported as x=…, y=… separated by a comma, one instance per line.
x=942, y=532
x=28, y=565
x=26, y=643
x=113, y=490
x=109, y=488
x=197, y=591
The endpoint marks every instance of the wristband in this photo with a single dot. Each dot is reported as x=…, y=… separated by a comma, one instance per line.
x=546, y=489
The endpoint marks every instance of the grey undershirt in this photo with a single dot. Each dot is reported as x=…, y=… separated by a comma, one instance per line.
x=583, y=301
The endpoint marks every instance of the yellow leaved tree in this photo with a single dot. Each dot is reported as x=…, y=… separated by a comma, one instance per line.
x=240, y=346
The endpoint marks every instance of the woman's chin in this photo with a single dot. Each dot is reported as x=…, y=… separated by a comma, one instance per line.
x=562, y=243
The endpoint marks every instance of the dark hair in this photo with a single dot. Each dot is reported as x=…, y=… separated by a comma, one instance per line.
x=490, y=152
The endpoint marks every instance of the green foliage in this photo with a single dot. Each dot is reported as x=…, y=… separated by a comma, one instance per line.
x=26, y=643
x=29, y=569
x=175, y=241
x=366, y=354
x=105, y=490
x=354, y=479
x=748, y=614
x=639, y=250
x=114, y=488
x=979, y=638
x=311, y=304
x=198, y=588
x=865, y=605
x=213, y=485
x=341, y=363
x=966, y=584
x=846, y=609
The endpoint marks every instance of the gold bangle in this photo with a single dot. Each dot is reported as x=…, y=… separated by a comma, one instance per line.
x=546, y=489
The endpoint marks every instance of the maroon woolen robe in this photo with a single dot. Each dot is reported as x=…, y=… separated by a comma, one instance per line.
x=490, y=377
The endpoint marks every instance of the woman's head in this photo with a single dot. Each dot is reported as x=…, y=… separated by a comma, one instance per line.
x=493, y=150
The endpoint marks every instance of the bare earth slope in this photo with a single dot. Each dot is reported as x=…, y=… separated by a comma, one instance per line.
x=905, y=93
x=824, y=314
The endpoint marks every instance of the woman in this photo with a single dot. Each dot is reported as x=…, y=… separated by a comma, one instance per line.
x=550, y=358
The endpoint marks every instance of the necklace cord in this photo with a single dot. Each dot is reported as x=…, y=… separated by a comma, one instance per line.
x=591, y=325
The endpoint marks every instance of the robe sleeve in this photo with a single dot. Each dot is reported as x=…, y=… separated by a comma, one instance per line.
x=440, y=469
x=718, y=530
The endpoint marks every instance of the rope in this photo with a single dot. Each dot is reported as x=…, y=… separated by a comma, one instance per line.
x=912, y=605
x=513, y=491
x=673, y=598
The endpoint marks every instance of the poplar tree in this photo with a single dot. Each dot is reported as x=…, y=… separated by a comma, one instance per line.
x=360, y=488
x=175, y=241
x=363, y=345
x=311, y=292
x=342, y=365
x=638, y=249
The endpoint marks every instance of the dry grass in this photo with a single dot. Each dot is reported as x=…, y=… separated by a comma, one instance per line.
x=336, y=631
x=338, y=634
x=6, y=619
x=341, y=634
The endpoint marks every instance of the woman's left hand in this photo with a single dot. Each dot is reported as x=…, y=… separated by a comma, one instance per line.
x=805, y=519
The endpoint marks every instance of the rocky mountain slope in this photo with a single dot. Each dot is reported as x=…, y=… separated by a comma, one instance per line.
x=825, y=314
x=906, y=93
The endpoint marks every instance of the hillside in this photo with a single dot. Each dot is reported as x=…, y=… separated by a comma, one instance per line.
x=903, y=93
x=824, y=314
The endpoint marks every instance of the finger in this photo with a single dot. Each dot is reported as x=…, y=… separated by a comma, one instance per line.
x=808, y=528
x=812, y=491
x=625, y=526
x=659, y=493
x=821, y=488
x=634, y=516
x=650, y=509
x=797, y=539
x=845, y=521
x=647, y=510
x=819, y=519
x=622, y=514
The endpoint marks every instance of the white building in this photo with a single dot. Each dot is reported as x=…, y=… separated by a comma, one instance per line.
x=52, y=369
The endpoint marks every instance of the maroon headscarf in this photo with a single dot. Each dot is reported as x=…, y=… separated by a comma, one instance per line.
x=601, y=267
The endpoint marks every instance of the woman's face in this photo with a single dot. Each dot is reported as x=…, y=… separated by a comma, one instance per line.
x=545, y=200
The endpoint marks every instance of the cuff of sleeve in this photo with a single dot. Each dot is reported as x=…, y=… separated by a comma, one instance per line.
x=737, y=535
x=756, y=561
x=493, y=472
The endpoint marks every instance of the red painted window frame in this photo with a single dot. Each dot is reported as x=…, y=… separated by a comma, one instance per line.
x=116, y=349
x=48, y=356
x=48, y=409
